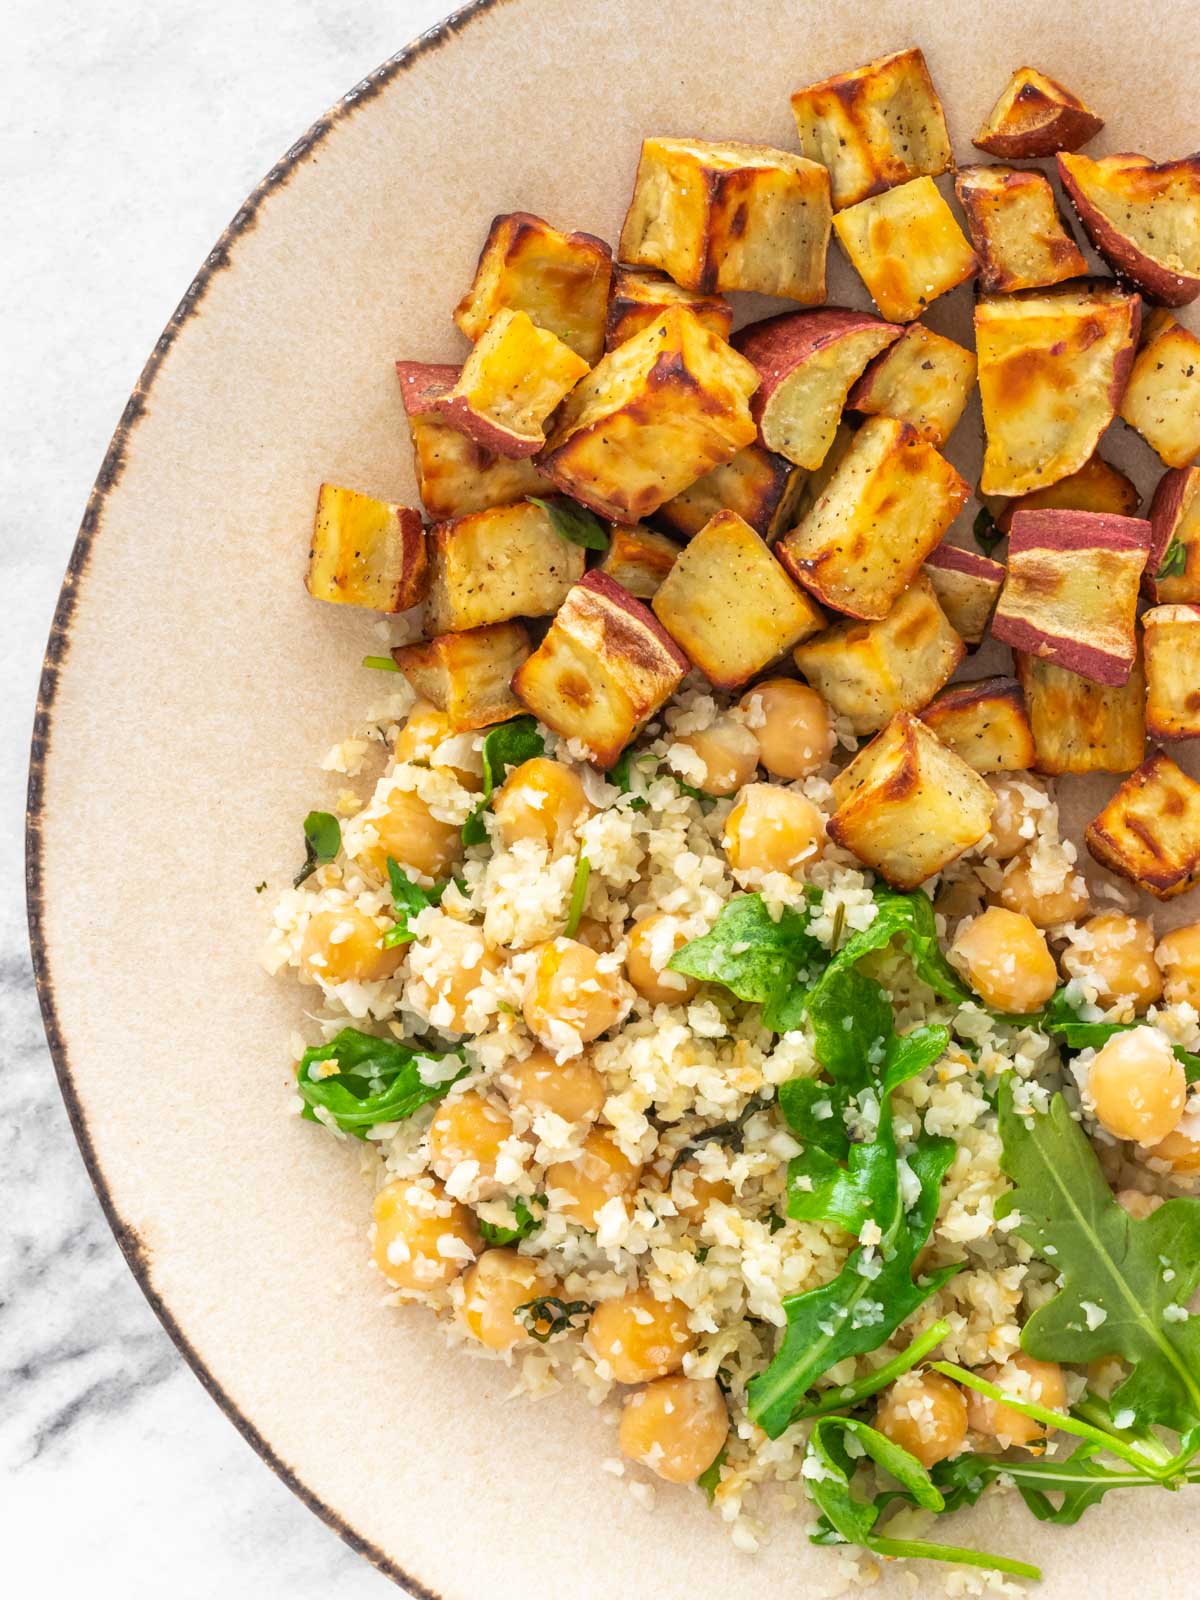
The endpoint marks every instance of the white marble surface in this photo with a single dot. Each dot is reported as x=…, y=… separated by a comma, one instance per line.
x=129, y=134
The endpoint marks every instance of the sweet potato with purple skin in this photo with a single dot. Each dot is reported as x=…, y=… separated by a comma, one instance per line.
x=639, y=559
x=967, y=586
x=1016, y=230
x=366, y=552
x=984, y=722
x=923, y=379
x=1143, y=218
x=1071, y=592
x=1149, y=832
x=1173, y=568
x=468, y=675
x=907, y=247
x=1036, y=116
x=1162, y=398
x=1097, y=486
x=806, y=363
x=638, y=294
x=764, y=490
x=1171, y=636
x=604, y=668
x=1080, y=726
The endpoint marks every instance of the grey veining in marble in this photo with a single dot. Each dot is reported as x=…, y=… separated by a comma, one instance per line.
x=129, y=135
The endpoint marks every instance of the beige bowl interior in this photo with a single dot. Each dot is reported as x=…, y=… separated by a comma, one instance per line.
x=192, y=687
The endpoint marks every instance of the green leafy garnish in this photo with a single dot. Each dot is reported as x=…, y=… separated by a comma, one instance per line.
x=376, y=1080
x=496, y=1236
x=409, y=899
x=507, y=745
x=849, y=1396
x=731, y=1134
x=579, y=888
x=573, y=522
x=757, y=958
x=1065, y=1024
x=987, y=534
x=709, y=1480
x=1174, y=561
x=322, y=841
x=380, y=663
x=910, y=919
x=548, y=1315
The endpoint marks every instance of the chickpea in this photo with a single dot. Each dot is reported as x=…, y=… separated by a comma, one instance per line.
x=1006, y=960
x=421, y=1238
x=638, y=1337
x=1038, y=1382
x=347, y=944
x=1014, y=821
x=691, y=1191
x=1119, y=959
x=467, y=1128
x=793, y=727
x=541, y=799
x=420, y=737
x=924, y=1414
x=1045, y=906
x=408, y=832
x=1180, y=1150
x=448, y=965
x=599, y=1173
x=652, y=943
x=772, y=830
x=676, y=1427
x=499, y=1282
x=572, y=1090
x=729, y=752
x=1137, y=1087
x=570, y=995
x=1178, y=955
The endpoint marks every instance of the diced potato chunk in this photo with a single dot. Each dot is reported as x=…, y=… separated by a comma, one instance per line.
x=602, y=671
x=906, y=247
x=1080, y=726
x=730, y=216
x=923, y=379
x=498, y=564
x=730, y=606
x=366, y=552
x=875, y=127
x=762, y=488
x=868, y=671
x=455, y=474
x=1172, y=641
x=639, y=559
x=1052, y=369
x=1036, y=116
x=1149, y=832
x=1018, y=235
x=886, y=507
x=967, y=586
x=513, y=379
x=1162, y=399
x=468, y=675
x=1173, y=570
x=657, y=413
x=1097, y=486
x=1072, y=589
x=639, y=294
x=984, y=722
x=560, y=280
x=806, y=362
x=907, y=805
x=1143, y=218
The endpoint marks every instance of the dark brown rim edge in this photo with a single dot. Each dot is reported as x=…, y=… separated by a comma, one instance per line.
x=57, y=647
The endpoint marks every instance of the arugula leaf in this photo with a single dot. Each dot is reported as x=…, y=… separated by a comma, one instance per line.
x=506, y=745
x=1109, y=1263
x=377, y=1080
x=909, y=918
x=622, y=775
x=852, y=1025
x=380, y=663
x=757, y=958
x=494, y=1235
x=731, y=1134
x=848, y=1396
x=548, y=1314
x=322, y=841
x=579, y=887
x=710, y=1479
x=573, y=522
x=1174, y=561
x=1065, y=1024
x=987, y=534
x=409, y=899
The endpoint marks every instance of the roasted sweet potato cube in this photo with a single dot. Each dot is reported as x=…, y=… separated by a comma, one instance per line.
x=806, y=362
x=654, y=415
x=639, y=559
x=498, y=564
x=1172, y=643
x=1149, y=832
x=762, y=488
x=1143, y=218
x=906, y=247
x=908, y=805
x=1035, y=116
x=602, y=671
x=730, y=606
x=1162, y=398
x=366, y=552
x=1173, y=569
x=560, y=280
x=1080, y=726
x=1072, y=589
x=885, y=508
x=1097, y=486
x=730, y=216
x=639, y=294
x=922, y=379
x=1052, y=370
x=513, y=379
x=985, y=723
x=868, y=671
x=468, y=675
x=967, y=586
x=1015, y=228
x=875, y=127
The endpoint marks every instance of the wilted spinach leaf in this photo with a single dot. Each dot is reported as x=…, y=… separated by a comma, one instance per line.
x=377, y=1080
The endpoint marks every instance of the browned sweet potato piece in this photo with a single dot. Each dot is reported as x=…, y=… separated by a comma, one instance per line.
x=1172, y=643
x=1149, y=832
x=967, y=586
x=639, y=559
x=764, y=490
x=985, y=723
x=1143, y=218
x=468, y=675
x=511, y=382
x=923, y=379
x=1018, y=235
x=907, y=247
x=1036, y=116
x=366, y=552
x=1080, y=726
x=1097, y=486
x=1162, y=398
x=498, y=564
x=639, y=294
x=1173, y=569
